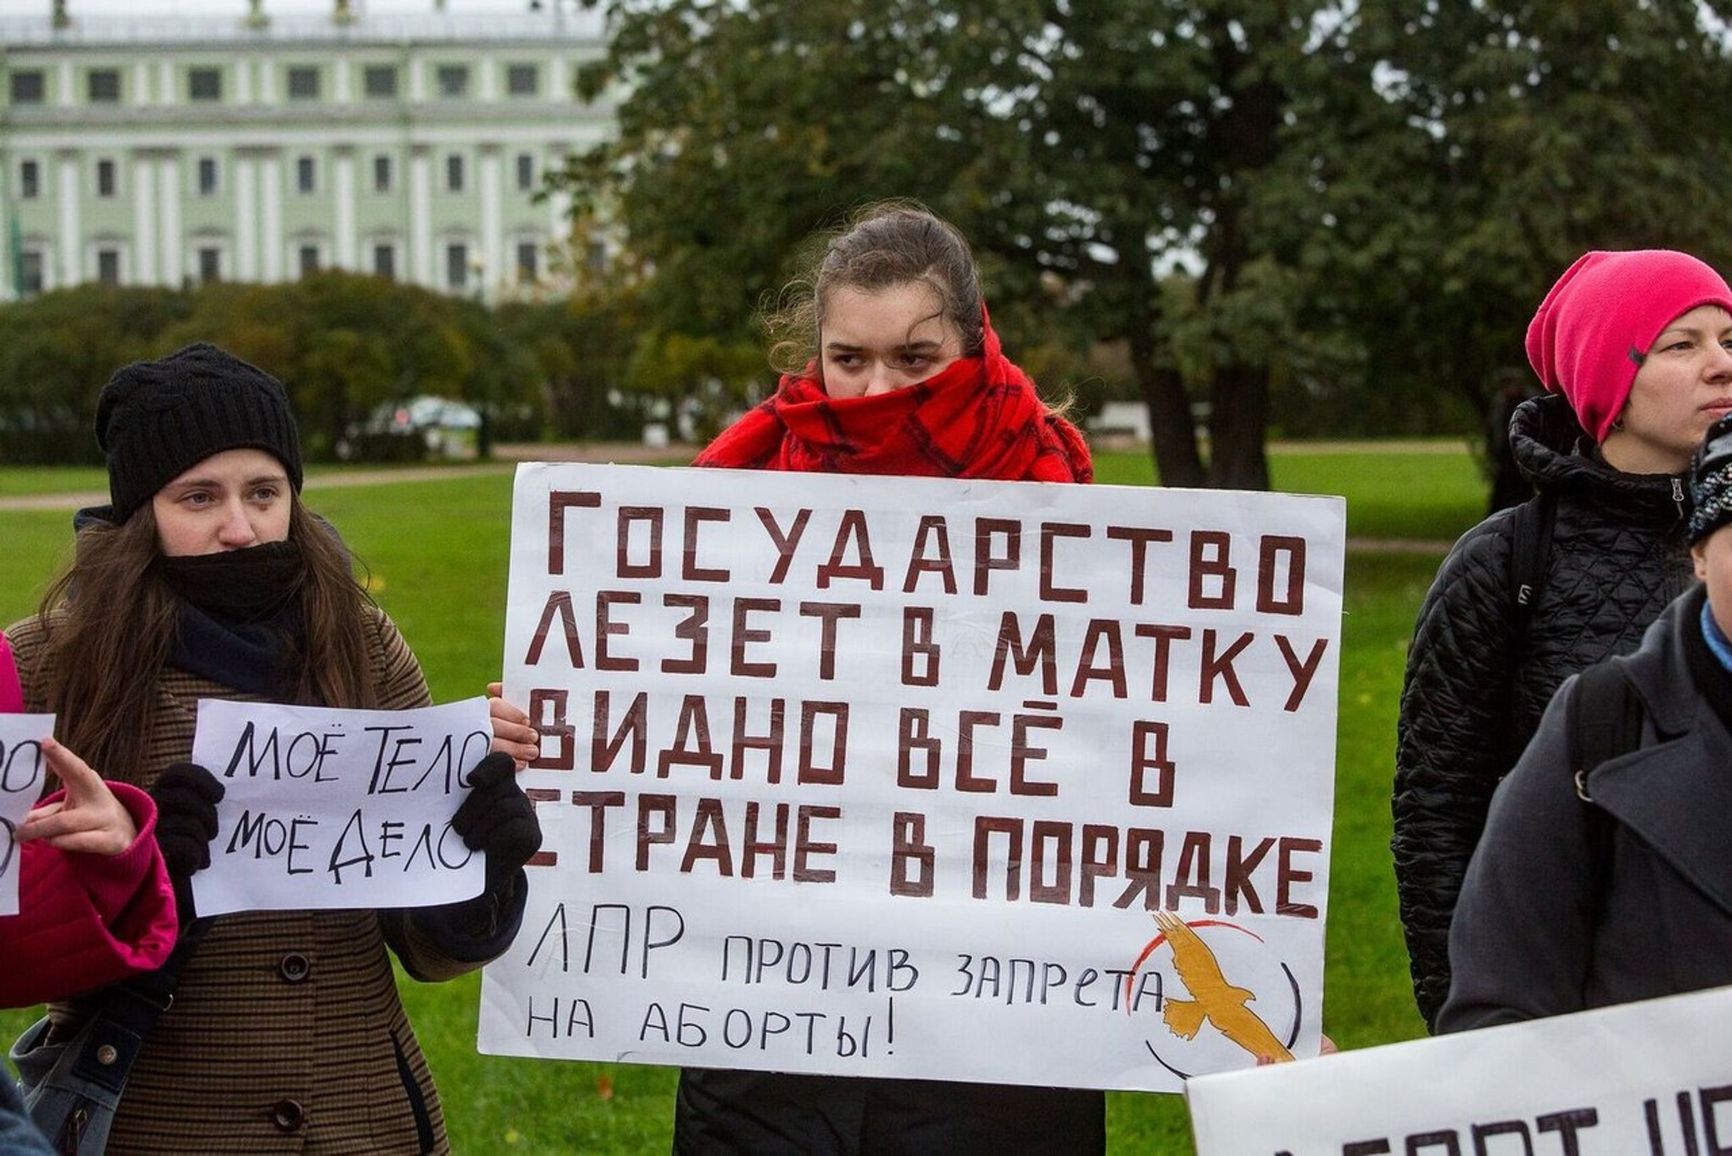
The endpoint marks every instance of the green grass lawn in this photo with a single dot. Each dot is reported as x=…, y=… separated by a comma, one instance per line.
x=437, y=556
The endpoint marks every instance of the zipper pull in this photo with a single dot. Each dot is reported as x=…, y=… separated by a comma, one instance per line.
x=1678, y=495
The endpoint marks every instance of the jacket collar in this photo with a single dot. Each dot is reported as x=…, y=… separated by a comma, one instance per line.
x=1555, y=454
x=1675, y=794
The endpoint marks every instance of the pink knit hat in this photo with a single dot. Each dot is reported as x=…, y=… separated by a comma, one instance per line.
x=1594, y=328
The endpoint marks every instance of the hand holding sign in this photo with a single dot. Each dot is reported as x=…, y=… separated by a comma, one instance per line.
x=88, y=818
x=186, y=798
x=512, y=734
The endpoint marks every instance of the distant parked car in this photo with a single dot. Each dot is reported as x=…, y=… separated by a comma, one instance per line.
x=420, y=429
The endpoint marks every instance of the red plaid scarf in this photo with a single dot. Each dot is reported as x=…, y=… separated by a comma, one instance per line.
x=978, y=418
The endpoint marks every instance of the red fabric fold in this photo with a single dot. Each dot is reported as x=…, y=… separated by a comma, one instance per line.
x=980, y=417
x=87, y=920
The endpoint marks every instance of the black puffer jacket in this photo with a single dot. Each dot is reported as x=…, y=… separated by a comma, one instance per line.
x=1474, y=691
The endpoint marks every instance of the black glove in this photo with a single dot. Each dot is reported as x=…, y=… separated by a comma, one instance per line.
x=498, y=820
x=186, y=796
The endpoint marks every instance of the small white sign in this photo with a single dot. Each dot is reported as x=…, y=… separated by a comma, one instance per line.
x=21, y=770
x=1652, y=1078
x=338, y=808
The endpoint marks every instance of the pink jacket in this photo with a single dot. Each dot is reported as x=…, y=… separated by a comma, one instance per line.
x=84, y=920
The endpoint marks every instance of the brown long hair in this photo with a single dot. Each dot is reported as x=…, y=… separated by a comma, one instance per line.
x=115, y=628
x=884, y=244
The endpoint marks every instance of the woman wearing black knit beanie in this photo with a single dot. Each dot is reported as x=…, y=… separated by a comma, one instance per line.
x=1604, y=876
x=206, y=577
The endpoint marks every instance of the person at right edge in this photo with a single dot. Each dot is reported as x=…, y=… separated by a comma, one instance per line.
x=1635, y=351
x=1606, y=878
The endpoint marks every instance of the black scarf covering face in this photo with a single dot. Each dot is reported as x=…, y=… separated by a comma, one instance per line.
x=240, y=624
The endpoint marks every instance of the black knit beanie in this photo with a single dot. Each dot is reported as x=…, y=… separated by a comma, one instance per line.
x=1711, y=481
x=157, y=419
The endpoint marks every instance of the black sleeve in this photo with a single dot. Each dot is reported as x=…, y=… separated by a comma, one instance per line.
x=1522, y=941
x=1453, y=743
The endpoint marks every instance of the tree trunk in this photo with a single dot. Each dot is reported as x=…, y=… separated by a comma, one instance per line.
x=1238, y=422
x=1172, y=433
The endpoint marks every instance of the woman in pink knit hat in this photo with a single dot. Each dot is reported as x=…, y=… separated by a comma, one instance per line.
x=1635, y=351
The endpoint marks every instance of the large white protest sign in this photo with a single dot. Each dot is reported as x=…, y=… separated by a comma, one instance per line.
x=1653, y=1078
x=21, y=771
x=331, y=808
x=891, y=776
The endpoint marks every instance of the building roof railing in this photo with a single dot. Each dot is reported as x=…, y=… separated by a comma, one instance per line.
x=299, y=28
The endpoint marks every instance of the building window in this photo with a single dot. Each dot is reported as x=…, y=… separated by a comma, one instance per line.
x=210, y=264
x=379, y=81
x=454, y=173
x=525, y=172
x=107, y=178
x=28, y=87
x=307, y=259
x=453, y=81
x=523, y=80
x=382, y=173
x=456, y=265
x=595, y=257
x=306, y=175
x=207, y=176
x=204, y=83
x=385, y=261
x=108, y=266
x=303, y=83
x=528, y=259
x=31, y=264
x=102, y=85
x=29, y=180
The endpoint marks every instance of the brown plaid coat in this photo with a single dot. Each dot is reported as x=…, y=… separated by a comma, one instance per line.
x=286, y=1034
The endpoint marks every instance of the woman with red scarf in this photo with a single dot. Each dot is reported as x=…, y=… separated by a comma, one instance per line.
x=902, y=375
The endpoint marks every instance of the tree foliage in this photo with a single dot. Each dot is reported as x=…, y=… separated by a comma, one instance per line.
x=342, y=344
x=1327, y=206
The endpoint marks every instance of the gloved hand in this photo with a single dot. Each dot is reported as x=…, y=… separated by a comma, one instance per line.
x=498, y=820
x=186, y=796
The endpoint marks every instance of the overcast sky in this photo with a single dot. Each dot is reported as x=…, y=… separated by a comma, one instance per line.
x=239, y=7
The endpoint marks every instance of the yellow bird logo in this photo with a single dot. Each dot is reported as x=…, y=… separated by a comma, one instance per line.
x=1212, y=997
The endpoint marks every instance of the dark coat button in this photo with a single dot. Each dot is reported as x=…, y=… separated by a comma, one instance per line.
x=288, y=1115
x=294, y=967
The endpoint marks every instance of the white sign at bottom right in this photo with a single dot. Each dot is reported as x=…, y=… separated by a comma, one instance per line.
x=1643, y=1079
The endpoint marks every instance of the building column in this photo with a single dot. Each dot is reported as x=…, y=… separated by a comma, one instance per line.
x=141, y=84
x=243, y=80
x=558, y=80
x=421, y=214
x=559, y=212
x=173, y=255
x=143, y=217
x=492, y=240
x=271, y=216
x=343, y=189
x=64, y=82
x=246, y=267
x=71, y=238
x=267, y=80
x=165, y=93
x=486, y=87
x=342, y=83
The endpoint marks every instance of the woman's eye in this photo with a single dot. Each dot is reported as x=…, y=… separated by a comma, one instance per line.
x=196, y=499
x=265, y=494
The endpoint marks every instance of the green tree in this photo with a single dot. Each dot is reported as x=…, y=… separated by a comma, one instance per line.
x=56, y=353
